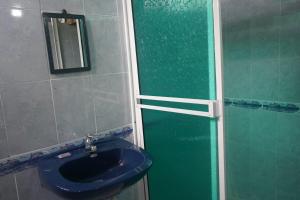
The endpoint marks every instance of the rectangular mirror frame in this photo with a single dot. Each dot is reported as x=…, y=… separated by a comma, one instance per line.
x=84, y=42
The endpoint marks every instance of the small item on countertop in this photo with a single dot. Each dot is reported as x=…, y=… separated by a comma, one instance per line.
x=64, y=155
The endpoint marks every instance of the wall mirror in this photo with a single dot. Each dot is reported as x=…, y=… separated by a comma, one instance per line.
x=67, y=42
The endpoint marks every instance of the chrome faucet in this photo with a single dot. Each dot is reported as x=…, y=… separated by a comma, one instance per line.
x=89, y=139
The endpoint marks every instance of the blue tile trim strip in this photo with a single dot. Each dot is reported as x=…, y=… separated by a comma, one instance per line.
x=270, y=106
x=288, y=108
x=247, y=104
x=25, y=161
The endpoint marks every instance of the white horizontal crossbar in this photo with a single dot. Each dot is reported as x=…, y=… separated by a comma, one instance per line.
x=210, y=103
x=175, y=110
x=173, y=99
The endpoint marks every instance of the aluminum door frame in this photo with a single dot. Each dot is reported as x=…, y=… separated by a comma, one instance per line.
x=216, y=107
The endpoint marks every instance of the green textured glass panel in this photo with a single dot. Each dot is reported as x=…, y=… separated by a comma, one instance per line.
x=174, y=41
x=174, y=46
x=181, y=150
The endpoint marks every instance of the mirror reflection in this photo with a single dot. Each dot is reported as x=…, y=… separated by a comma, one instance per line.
x=66, y=42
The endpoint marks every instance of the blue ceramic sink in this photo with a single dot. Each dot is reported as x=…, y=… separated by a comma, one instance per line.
x=117, y=165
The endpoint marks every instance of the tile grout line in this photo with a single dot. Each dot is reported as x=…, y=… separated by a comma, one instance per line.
x=279, y=50
x=50, y=84
x=117, y=6
x=103, y=16
x=23, y=82
x=4, y=123
x=45, y=45
x=91, y=84
x=40, y=6
x=121, y=36
x=83, y=7
x=54, y=112
x=70, y=77
x=251, y=55
x=94, y=104
x=16, y=185
x=20, y=8
x=88, y=75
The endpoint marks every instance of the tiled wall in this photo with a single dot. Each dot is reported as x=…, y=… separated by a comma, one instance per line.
x=261, y=64
x=38, y=109
x=261, y=49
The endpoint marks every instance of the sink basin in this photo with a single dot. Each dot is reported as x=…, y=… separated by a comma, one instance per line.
x=78, y=174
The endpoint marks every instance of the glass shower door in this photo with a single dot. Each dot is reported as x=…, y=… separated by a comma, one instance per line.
x=261, y=73
x=176, y=96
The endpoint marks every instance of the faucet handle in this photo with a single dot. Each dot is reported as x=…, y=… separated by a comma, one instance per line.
x=88, y=139
x=89, y=136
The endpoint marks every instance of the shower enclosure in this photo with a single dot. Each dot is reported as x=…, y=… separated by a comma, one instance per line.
x=180, y=52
